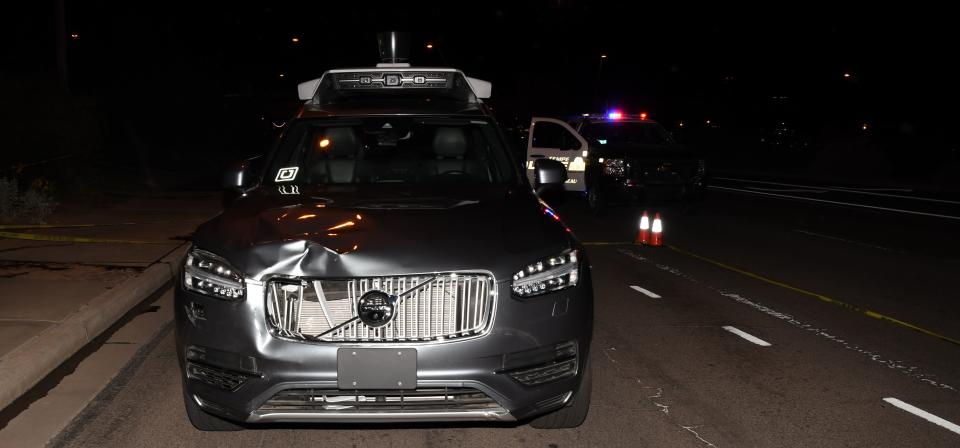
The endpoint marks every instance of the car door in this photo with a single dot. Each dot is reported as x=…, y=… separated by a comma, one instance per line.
x=554, y=139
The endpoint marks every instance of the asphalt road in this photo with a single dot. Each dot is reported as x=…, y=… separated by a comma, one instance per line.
x=778, y=322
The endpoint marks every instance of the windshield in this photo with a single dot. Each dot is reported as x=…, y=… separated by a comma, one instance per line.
x=627, y=132
x=396, y=150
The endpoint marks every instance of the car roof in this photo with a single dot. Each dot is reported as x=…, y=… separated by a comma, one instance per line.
x=353, y=92
x=379, y=106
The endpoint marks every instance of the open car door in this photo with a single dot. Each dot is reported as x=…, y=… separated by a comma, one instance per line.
x=556, y=140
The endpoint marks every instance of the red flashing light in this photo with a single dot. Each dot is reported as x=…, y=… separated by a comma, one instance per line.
x=643, y=115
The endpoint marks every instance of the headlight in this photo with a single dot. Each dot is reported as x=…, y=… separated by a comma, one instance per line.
x=211, y=275
x=547, y=275
x=614, y=167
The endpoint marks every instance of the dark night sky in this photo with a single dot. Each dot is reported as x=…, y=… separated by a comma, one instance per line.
x=683, y=62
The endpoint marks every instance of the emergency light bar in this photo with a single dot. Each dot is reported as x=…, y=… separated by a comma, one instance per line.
x=614, y=115
x=447, y=82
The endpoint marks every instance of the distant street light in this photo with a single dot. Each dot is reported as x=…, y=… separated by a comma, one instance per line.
x=295, y=40
x=281, y=75
x=74, y=36
x=429, y=46
x=596, y=86
x=847, y=76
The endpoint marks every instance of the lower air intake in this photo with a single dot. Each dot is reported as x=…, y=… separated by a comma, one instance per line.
x=372, y=401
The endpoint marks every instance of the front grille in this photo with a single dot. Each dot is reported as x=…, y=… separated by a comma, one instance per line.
x=435, y=307
x=392, y=401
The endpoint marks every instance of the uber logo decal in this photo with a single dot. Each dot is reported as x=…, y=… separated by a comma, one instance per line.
x=287, y=174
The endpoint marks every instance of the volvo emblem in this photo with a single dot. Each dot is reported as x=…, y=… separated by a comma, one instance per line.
x=376, y=308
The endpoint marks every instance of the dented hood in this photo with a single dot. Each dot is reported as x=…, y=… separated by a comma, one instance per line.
x=374, y=230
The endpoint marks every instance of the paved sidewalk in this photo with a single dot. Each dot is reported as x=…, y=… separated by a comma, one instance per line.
x=47, y=276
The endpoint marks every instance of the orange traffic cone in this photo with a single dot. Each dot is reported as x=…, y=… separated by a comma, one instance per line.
x=656, y=239
x=643, y=236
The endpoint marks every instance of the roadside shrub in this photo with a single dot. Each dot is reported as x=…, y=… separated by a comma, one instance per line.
x=32, y=206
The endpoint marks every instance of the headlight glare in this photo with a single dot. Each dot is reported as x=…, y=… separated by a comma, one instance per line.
x=547, y=275
x=208, y=274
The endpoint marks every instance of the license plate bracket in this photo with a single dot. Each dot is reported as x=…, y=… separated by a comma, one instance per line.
x=376, y=368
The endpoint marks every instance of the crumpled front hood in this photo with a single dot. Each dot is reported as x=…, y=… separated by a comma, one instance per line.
x=376, y=230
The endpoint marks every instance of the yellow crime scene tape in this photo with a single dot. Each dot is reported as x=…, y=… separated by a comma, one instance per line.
x=821, y=297
x=60, y=226
x=71, y=239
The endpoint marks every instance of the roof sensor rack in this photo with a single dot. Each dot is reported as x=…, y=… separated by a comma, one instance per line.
x=394, y=76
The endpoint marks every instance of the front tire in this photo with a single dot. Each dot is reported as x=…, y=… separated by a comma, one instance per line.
x=574, y=414
x=595, y=201
x=204, y=421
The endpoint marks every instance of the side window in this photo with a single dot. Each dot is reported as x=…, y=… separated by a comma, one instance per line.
x=554, y=136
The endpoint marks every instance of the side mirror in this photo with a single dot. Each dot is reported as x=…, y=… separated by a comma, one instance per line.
x=548, y=175
x=239, y=175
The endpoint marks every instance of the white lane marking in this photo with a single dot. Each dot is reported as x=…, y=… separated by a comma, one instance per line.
x=902, y=190
x=867, y=191
x=852, y=204
x=873, y=192
x=924, y=414
x=646, y=292
x=747, y=336
x=897, y=365
x=836, y=238
x=788, y=190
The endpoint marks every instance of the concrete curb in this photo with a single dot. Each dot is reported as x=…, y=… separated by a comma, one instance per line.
x=24, y=366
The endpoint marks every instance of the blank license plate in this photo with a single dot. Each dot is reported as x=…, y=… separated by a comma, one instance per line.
x=377, y=368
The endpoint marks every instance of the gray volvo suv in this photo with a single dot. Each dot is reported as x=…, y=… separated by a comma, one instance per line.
x=387, y=262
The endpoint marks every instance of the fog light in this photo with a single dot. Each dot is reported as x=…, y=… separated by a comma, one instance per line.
x=219, y=378
x=546, y=373
x=552, y=365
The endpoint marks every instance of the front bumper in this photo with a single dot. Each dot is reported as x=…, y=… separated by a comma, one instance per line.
x=623, y=187
x=236, y=340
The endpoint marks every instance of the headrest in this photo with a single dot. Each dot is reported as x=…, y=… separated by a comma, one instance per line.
x=342, y=142
x=449, y=142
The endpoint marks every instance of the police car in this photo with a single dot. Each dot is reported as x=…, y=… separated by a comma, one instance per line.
x=389, y=263
x=617, y=157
